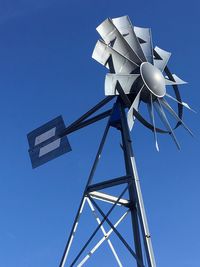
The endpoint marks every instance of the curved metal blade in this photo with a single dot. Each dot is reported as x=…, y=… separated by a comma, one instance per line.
x=161, y=58
x=126, y=82
x=151, y=113
x=170, y=109
x=144, y=36
x=135, y=105
x=125, y=27
x=165, y=121
x=112, y=59
x=112, y=37
x=182, y=103
x=176, y=80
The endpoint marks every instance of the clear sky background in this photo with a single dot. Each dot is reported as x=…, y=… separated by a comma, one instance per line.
x=46, y=70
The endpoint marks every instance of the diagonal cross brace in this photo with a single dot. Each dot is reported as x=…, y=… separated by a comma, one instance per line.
x=117, y=233
x=96, y=230
x=105, y=237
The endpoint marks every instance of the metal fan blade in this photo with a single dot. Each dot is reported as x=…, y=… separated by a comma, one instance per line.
x=176, y=80
x=151, y=113
x=165, y=121
x=181, y=103
x=125, y=27
x=126, y=82
x=161, y=58
x=113, y=60
x=170, y=109
x=135, y=105
x=144, y=35
x=114, y=38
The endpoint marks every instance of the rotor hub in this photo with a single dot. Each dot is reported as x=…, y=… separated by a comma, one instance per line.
x=153, y=79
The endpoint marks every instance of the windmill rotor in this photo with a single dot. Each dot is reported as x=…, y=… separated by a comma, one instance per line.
x=142, y=73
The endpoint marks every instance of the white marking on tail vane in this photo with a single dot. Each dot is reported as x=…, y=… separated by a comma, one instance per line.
x=43, y=137
x=50, y=147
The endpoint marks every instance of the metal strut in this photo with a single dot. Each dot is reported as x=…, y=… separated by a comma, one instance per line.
x=134, y=205
x=68, y=245
x=106, y=237
x=138, y=210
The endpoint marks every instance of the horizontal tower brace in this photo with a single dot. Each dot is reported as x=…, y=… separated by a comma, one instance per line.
x=109, y=183
x=108, y=198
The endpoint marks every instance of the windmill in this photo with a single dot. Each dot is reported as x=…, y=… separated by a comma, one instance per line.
x=138, y=75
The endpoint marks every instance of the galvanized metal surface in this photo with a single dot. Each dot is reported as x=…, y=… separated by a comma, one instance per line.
x=153, y=79
x=126, y=81
x=127, y=51
x=144, y=35
x=112, y=37
x=161, y=59
x=125, y=27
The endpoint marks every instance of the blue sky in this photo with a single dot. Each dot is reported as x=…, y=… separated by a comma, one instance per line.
x=47, y=70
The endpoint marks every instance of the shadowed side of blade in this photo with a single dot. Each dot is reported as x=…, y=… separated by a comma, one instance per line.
x=135, y=105
x=144, y=36
x=112, y=37
x=176, y=80
x=181, y=103
x=126, y=81
x=173, y=113
x=125, y=27
x=152, y=117
x=113, y=60
x=161, y=58
x=165, y=121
